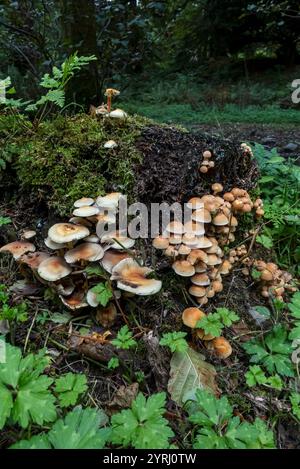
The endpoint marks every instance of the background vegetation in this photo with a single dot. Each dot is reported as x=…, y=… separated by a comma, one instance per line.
x=174, y=60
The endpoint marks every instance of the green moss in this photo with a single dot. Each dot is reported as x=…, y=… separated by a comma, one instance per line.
x=64, y=158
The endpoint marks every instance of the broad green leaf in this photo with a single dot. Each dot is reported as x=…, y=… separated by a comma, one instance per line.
x=142, y=426
x=35, y=402
x=36, y=442
x=189, y=372
x=69, y=387
x=80, y=429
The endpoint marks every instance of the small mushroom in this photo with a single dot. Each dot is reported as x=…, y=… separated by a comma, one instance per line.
x=90, y=252
x=34, y=259
x=67, y=232
x=183, y=268
x=53, y=269
x=131, y=277
x=110, y=144
x=18, y=248
x=217, y=188
x=86, y=211
x=221, y=347
x=111, y=258
x=191, y=316
x=84, y=202
x=160, y=242
x=110, y=93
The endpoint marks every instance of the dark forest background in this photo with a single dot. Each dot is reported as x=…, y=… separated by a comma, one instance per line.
x=160, y=54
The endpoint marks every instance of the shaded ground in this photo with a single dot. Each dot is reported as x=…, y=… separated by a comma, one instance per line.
x=285, y=139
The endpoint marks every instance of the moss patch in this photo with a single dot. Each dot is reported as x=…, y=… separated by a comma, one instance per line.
x=64, y=159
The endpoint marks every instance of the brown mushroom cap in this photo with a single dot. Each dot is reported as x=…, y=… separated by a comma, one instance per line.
x=197, y=255
x=222, y=347
x=191, y=316
x=86, y=211
x=201, y=215
x=225, y=267
x=84, y=202
x=18, y=248
x=53, y=268
x=175, y=239
x=117, y=240
x=171, y=251
x=195, y=203
x=195, y=228
x=74, y=301
x=34, y=259
x=184, y=250
x=52, y=245
x=28, y=234
x=213, y=259
x=190, y=240
x=202, y=280
x=203, y=242
x=91, y=252
x=200, y=267
x=207, y=154
x=67, y=232
x=106, y=316
x=201, y=335
x=175, y=227
x=266, y=275
x=195, y=290
x=109, y=201
x=183, y=268
x=160, y=242
x=112, y=258
x=217, y=285
x=220, y=220
x=216, y=187
x=132, y=278
x=80, y=221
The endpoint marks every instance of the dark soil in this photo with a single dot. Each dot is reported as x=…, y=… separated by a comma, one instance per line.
x=267, y=135
x=171, y=159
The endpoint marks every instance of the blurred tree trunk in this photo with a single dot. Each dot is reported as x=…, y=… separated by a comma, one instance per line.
x=78, y=19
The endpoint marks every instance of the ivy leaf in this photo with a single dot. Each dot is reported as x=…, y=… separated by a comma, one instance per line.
x=80, y=430
x=142, y=426
x=69, y=387
x=103, y=293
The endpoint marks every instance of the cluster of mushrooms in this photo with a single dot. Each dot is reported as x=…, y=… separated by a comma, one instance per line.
x=195, y=248
x=86, y=240
x=219, y=345
x=274, y=281
x=207, y=163
x=105, y=109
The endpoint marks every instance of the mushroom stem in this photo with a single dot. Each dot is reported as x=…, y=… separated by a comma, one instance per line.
x=108, y=103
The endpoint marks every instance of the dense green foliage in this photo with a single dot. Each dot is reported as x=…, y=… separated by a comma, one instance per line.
x=64, y=158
